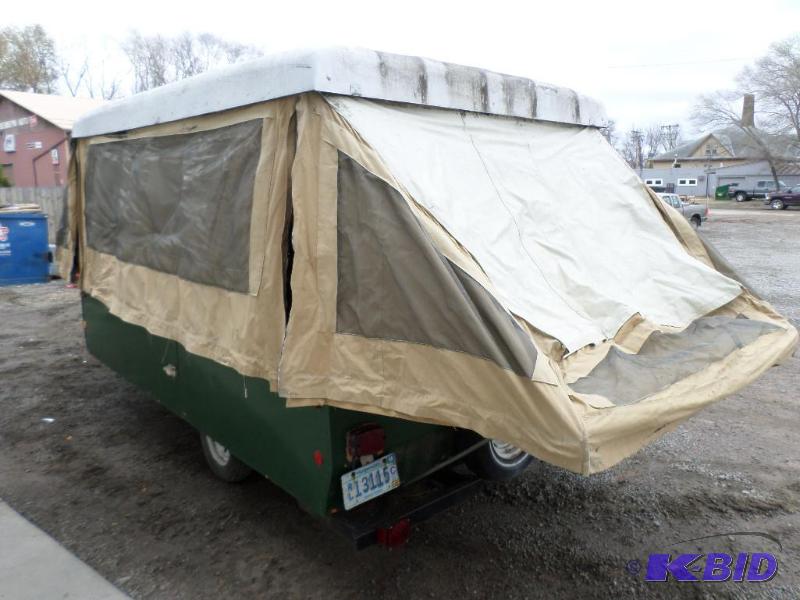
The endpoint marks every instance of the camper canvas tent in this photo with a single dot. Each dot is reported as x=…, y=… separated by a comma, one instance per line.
x=402, y=237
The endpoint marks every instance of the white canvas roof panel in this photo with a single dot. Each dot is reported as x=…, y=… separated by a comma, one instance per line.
x=349, y=72
x=563, y=228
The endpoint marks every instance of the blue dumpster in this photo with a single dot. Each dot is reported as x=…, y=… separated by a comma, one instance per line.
x=24, y=252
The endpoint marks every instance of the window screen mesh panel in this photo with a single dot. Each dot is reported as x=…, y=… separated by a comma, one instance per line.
x=393, y=284
x=666, y=358
x=180, y=204
x=62, y=228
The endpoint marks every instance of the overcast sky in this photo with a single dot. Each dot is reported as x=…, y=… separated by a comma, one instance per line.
x=645, y=61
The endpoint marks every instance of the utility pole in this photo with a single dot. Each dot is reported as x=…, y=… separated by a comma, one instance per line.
x=636, y=138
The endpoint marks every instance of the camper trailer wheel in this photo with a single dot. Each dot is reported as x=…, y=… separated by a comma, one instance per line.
x=498, y=461
x=222, y=463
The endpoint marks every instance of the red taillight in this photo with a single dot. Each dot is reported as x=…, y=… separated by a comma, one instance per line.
x=365, y=440
x=395, y=535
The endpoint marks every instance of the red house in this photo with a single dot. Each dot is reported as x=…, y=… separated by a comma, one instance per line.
x=34, y=133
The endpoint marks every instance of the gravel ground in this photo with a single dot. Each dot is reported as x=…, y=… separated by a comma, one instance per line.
x=122, y=483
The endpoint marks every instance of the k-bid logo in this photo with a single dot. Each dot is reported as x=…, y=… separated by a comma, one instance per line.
x=3, y=233
x=712, y=566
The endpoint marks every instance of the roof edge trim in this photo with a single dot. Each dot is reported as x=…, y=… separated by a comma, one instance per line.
x=350, y=72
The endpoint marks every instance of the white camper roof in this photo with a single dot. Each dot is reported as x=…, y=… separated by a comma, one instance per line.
x=349, y=72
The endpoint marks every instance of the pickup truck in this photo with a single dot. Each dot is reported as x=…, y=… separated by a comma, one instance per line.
x=761, y=189
x=783, y=200
x=694, y=213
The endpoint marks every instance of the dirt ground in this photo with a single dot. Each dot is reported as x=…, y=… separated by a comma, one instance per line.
x=122, y=483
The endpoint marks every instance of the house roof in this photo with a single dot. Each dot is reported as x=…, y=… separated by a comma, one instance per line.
x=684, y=150
x=788, y=169
x=761, y=167
x=61, y=111
x=736, y=142
x=349, y=72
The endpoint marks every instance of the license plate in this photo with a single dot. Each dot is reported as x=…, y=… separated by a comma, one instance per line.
x=370, y=481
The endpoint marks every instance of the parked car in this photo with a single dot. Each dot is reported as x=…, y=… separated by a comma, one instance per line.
x=694, y=213
x=784, y=199
x=761, y=189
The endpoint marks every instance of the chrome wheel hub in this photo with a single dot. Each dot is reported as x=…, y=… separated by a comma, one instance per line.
x=219, y=453
x=507, y=453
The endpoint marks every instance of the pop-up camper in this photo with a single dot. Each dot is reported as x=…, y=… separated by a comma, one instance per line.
x=348, y=269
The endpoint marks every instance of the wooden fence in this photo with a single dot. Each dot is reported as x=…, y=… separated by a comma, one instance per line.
x=50, y=199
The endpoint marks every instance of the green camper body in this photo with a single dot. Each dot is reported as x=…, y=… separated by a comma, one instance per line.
x=253, y=422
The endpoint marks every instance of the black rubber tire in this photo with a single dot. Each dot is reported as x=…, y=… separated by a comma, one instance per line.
x=231, y=470
x=741, y=197
x=777, y=204
x=487, y=464
x=695, y=221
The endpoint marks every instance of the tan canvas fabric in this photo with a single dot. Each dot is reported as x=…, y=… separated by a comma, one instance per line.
x=65, y=251
x=180, y=204
x=615, y=433
x=243, y=331
x=313, y=365
x=583, y=433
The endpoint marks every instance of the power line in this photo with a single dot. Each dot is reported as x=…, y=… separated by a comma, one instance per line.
x=680, y=64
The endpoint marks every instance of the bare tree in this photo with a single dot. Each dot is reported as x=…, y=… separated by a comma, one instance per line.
x=720, y=109
x=775, y=81
x=73, y=78
x=671, y=135
x=609, y=131
x=632, y=148
x=100, y=86
x=149, y=57
x=5, y=56
x=186, y=58
x=89, y=79
x=653, y=141
x=27, y=59
x=639, y=146
x=157, y=60
x=83, y=71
